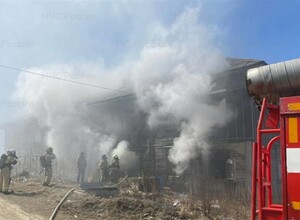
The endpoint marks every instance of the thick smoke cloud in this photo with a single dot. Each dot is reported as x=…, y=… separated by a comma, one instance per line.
x=173, y=85
x=170, y=78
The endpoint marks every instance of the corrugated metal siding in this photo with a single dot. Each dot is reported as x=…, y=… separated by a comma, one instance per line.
x=163, y=167
x=239, y=165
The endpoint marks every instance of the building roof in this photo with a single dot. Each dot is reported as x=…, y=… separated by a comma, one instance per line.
x=111, y=97
x=233, y=65
x=236, y=63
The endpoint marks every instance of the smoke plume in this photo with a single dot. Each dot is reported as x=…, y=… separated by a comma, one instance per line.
x=170, y=77
x=128, y=159
x=172, y=82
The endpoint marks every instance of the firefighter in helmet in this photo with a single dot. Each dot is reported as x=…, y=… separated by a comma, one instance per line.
x=114, y=172
x=103, y=168
x=49, y=156
x=9, y=160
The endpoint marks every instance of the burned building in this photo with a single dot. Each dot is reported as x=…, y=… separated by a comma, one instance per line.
x=229, y=160
x=230, y=153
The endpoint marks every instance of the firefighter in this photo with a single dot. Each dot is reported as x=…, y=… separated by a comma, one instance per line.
x=114, y=169
x=10, y=160
x=81, y=165
x=49, y=156
x=103, y=168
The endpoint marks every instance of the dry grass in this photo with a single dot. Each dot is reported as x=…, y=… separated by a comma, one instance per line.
x=134, y=204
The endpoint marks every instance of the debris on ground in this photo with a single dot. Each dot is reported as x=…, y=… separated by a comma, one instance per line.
x=130, y=203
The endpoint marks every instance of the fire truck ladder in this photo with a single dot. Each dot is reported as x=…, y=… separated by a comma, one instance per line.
x=262, y=205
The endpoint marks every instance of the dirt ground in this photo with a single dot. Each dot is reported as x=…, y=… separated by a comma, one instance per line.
x=33, y=201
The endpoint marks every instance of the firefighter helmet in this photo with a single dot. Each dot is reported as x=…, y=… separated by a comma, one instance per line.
x=12, y=152
x=49, y=150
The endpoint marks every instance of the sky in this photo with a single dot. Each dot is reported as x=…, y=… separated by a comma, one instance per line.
x=43, y=33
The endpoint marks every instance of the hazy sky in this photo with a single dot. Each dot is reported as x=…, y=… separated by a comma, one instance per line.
x=41, y=33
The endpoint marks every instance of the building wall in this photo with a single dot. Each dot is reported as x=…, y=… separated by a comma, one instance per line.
x=163, y=166
x=231, y=143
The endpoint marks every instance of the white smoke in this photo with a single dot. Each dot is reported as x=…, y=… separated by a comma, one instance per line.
x=173, y=84
x=57, y=106
x=170, y=78
x=128, y=159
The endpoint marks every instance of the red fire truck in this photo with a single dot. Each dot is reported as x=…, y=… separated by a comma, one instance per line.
x=276, y=91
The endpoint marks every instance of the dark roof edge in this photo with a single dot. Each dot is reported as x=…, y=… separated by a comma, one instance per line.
x=131, y=95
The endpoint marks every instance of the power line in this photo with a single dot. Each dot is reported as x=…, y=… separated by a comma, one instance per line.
x=66, y=80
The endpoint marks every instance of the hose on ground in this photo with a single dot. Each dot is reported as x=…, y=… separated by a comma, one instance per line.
x=59, y=204
x=117, y=184
x=68, y=193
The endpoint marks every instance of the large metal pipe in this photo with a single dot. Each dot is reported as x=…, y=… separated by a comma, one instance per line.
x=274, y=81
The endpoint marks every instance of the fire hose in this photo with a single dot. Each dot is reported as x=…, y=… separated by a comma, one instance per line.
x=59, y=204
x=68, y=193
x=117, y=184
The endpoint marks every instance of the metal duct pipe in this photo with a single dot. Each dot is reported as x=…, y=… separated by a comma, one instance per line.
x=274, y=81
